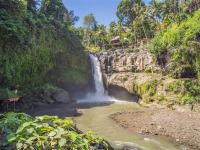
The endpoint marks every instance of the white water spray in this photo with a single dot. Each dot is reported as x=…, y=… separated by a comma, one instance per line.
x=100, y=95
x=97, y=74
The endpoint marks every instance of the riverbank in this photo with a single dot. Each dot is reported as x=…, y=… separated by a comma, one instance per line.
x=95, y=117
x=182, y=126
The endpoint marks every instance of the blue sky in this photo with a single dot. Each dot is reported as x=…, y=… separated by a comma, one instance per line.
x=104, y=10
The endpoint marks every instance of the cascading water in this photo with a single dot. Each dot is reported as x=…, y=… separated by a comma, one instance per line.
x=97, y=118
x=98, y=81
x=100, y=95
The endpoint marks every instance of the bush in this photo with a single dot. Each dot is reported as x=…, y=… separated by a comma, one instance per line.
x=175, y=86
x=50, y=132
x=146, y=90
x=181, y=41
x=185, y=71
x=191, y=92
x=5, y=93
x=149, y=88
x=188, y=99
x=9, y=123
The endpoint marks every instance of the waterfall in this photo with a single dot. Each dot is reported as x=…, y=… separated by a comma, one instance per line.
x=97, y=74
x=100, y=94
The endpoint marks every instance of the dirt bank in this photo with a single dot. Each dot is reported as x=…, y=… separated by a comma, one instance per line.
x=183, y=127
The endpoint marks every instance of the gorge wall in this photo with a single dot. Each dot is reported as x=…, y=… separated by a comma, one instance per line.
x=136, y=71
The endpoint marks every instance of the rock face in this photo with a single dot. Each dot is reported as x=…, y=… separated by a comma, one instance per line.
x=131, y=72
x=118, y=67
x=61, y=96
x=127, y=60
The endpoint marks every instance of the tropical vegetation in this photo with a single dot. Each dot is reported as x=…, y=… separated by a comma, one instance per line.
x=21, y=131
x=169, y=28
x=38, y=39
x=138, y=21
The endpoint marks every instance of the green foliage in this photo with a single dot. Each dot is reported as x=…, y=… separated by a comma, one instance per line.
x=90, y=22
x=95, y=37
x=6, y=93
x=193, y=87
x=139, y=23
x=161, y=98
x=47, y=87
x=184, y=71
x=191, y=92
x=182, y=42
x=126, y=11
x=50, y=132
x=9, y=123
x=177, y=91
x=35, y=43
x=187, y=90
x=56, y=11
x=187, y=99
x=146, y=90
x=149, y=87
x=175, y=86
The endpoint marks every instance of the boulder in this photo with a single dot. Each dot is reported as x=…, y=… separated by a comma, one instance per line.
x=61, y=96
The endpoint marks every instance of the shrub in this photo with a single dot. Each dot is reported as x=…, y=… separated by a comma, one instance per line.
x=9, y=123
x=185, y=71
x=6, y=93
x=51, y=132
x=188, y=98
x=175, y=86
x=149, y=88
x=181, y=41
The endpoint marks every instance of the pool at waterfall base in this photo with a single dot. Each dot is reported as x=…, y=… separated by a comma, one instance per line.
x=98, y=106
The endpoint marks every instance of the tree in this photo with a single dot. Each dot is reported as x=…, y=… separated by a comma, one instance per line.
x=90, y=22
x=32, y=5
x=155, y=10
x=71, y=17
x=55, y=9
x=126, y=11
x=101, y=36
x=33, y=44
x=113, y=29
x=90, y=25
x=13, y=7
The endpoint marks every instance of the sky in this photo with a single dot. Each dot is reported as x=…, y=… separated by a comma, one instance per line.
x=104, y=10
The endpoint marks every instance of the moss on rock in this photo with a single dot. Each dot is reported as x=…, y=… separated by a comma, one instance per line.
x=166, y=90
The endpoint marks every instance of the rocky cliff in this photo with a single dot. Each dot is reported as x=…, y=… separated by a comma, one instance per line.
x=134, y=71
x=119, y=67
x=128, y=60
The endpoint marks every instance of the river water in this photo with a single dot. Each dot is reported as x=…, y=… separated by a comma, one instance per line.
x=96, y=118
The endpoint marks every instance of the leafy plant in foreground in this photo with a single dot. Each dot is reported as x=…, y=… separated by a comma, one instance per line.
x=51, y=132
x=9, y=123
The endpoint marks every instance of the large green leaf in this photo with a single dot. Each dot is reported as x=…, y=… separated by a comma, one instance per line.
x=62, y=142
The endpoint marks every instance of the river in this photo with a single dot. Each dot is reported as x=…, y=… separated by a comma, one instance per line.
x=99, y=105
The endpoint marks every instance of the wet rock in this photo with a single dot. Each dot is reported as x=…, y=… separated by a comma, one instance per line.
x=118, y=145
x=129, y=148
x=121, y=93
x=49, y=100
x=61, y=96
